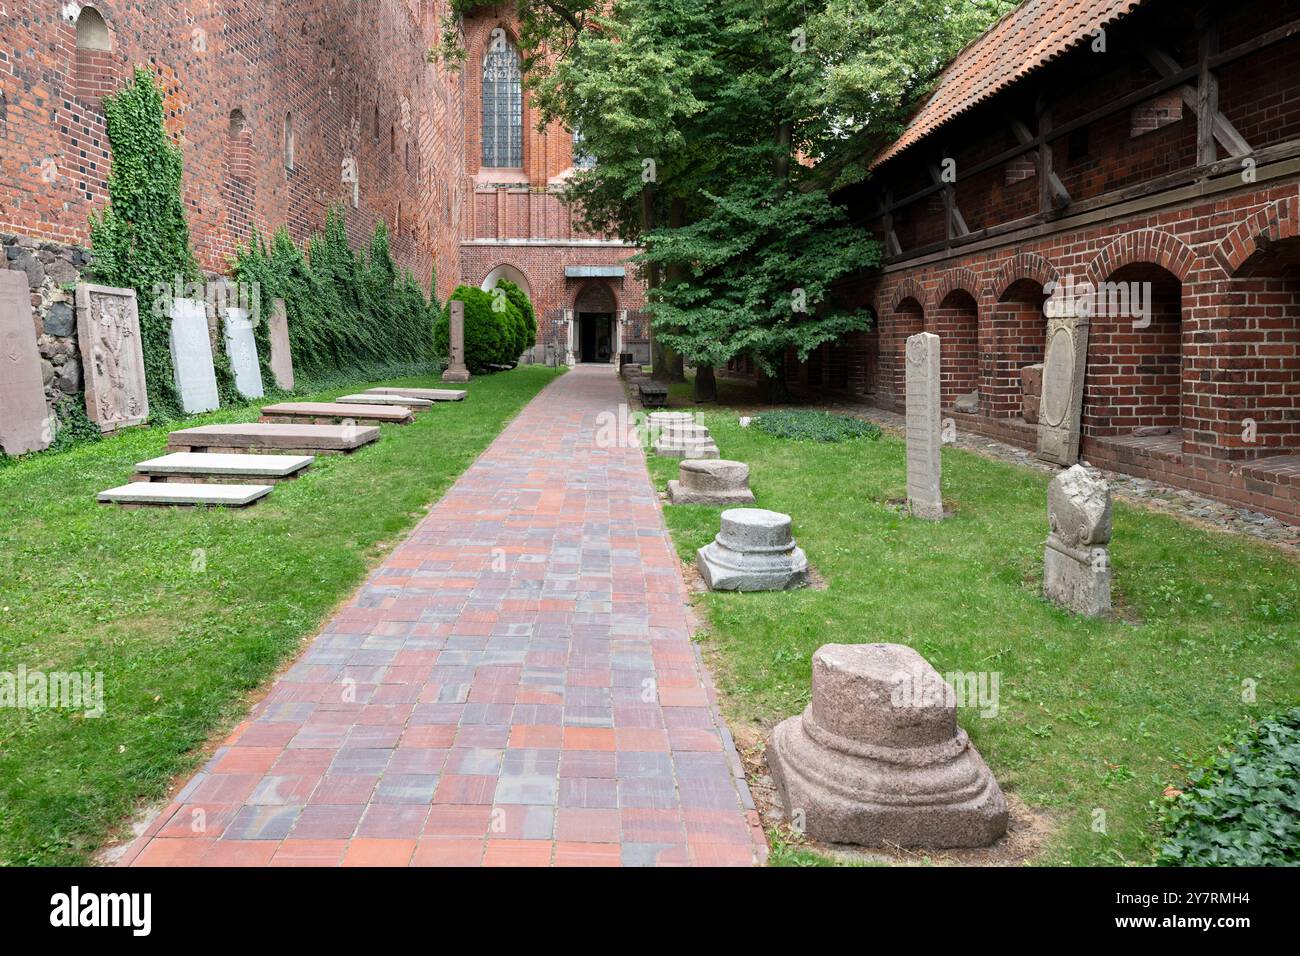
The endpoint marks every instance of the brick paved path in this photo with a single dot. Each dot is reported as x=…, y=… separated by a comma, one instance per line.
x=514, y=685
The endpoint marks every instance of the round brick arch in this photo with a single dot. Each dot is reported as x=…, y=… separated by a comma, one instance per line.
x=953, y=280
x=1142, y=245
x=907, y=289
x=1024, y=265
x=1277, y=221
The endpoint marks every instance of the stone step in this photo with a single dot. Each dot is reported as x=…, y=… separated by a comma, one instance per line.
x=156, y=493
x=335, y=413
x=281, y=439
x=194, y=467
x=364, y=398
x=432, y=394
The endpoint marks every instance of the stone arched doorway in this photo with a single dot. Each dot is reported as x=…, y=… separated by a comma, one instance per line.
x=594, y=334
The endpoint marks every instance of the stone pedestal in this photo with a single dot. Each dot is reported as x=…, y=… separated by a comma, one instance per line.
x=1031, y=392
x=711, y=482
x=924, y=438
x=1076, y=562
x=456, y=370
x=754, y=551
x=877, y=757
x=685, y=440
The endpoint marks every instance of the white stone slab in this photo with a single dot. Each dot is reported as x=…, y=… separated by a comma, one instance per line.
x=178, y=493
x=432, y=394
x=241, y=348
x=208, y=463
x=195, y=377
x=364, y=398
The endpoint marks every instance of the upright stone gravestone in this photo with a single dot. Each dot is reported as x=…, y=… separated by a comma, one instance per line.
x=1076, y=562
x=281, y=354
x=24, y=419
x=241, y=349
x=924, y=439
x=112, y=356
x=456, y=370
x=191, y=348
x=1061, y=404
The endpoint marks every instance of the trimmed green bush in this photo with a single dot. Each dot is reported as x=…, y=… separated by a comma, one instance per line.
x=519, y=299
x=1243, y=809
x=814, y=426
x=493, y=329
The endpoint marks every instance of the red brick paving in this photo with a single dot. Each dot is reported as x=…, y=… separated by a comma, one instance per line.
x=514, y=686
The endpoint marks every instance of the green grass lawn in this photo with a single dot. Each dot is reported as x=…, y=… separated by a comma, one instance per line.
x=1094, y=715
x=185, y=612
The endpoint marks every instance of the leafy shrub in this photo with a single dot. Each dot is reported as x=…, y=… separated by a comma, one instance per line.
x=142, y=238
x=1243, y=809
x=491, y=333
x=344, y=310
x=519, y=299
x=814, y=426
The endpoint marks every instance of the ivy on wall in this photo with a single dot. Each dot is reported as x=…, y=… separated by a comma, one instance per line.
x=346, y=310
x=142, y=239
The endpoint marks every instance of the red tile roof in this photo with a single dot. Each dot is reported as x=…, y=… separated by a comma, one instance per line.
x=1028, y=37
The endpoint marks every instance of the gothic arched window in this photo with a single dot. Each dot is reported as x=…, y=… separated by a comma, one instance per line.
x=503, y=104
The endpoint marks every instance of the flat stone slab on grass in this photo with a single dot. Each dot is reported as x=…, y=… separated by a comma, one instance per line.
x=432, y=394
x=322, y=413
x=175, y=493
x=754, y=551
x=283, y=439
x=711, y=482
x=365, y=398
x=201, y=466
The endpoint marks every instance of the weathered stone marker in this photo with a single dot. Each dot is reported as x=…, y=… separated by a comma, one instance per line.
x=24, y=418
x=112, y=358
x=191, y=349
x=281, y=354
x=456, y=370
x=711, y=482
x=924, y=439
x=754, y=551
x=1031, y=392
x=1061, y=405
x=1076, y=562
x=241, y=348
x=877, y=756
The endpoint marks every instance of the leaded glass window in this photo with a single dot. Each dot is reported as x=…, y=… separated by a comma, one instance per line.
x=503, y=106
x=582, y=159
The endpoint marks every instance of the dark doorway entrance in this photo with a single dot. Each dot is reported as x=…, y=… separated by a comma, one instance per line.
x=595, y=337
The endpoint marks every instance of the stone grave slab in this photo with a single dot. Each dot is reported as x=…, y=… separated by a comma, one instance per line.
x=363, y=398
x=1061, y=406
x=281, y=353
x=754, y=551
x=877, y=758
x=924, y=438
x=283, y=439
x=432, y=394
x=241, y=348
x=170, y=493
x=24, y=417
x=198, y=467
x=330, y=413
x=191, y=348
x=112, y=357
